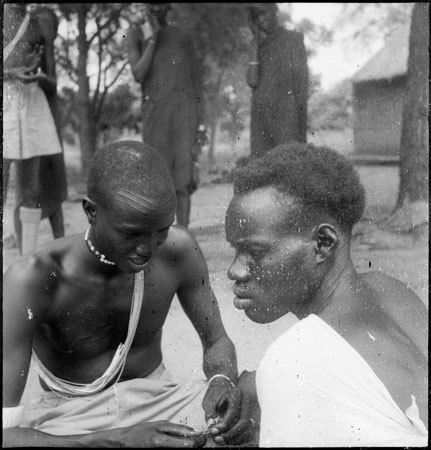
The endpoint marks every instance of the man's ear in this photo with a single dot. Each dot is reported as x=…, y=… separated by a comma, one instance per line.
x=327, y=240
x=89, y=208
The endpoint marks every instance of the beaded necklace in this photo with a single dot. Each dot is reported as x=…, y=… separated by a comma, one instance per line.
x=94, y=252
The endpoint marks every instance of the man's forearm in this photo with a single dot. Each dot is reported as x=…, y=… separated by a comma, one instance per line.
x=142, y=66
x=28, y=437
x=220, y=358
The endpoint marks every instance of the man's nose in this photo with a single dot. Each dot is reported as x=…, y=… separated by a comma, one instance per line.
x=147, y=247
x=239, y=269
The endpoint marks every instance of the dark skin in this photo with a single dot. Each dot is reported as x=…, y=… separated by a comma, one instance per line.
x=140, y=50
x=48, y=293
x=287, y=261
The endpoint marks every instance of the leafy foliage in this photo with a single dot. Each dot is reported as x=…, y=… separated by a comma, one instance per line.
x=362, y=23
x=331, y=110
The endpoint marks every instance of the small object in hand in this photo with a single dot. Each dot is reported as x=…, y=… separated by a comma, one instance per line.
x=210, y=425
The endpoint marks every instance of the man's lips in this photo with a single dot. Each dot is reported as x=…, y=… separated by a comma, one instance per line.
x=242, y=303
x=242, y=300
x=139, y=261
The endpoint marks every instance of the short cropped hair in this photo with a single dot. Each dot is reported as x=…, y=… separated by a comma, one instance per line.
x=319, y=177
x=129, y=165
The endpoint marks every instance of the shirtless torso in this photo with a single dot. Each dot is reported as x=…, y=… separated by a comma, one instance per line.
x=78, y=316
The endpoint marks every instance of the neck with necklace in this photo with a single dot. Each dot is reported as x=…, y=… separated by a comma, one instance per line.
x=94, y=252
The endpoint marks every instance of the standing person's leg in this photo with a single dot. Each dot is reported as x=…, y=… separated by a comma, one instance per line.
x=183, y=208
x=53, y=191
x=6, y=176
x=56, y=220
x=27, y=213
x=183, y=134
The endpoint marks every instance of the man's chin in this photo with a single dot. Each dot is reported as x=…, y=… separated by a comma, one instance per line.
x=258, y=316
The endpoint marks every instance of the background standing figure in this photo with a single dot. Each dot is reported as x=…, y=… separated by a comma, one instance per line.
x=31, y=134
x=163, y=60
x=278, y=77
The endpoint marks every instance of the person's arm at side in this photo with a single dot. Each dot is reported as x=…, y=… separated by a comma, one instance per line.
x=48, y=77
x=140, y=63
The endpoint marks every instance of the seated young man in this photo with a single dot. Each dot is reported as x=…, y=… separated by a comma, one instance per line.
x=353, y=370
x=90, y=308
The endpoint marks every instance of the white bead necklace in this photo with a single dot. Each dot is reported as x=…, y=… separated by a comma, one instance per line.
x=97, y=254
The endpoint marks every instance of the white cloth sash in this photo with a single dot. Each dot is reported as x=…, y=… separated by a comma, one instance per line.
x=315, y=389
x=115, y=369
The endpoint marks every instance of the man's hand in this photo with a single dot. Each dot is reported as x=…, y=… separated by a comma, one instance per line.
x=22, y=74
x=154, y=24
x=160, y=434
x=234, y=409
x=246, y=428
x=34, y=59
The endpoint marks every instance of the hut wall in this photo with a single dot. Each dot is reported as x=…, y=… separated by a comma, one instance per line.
x=377, y=114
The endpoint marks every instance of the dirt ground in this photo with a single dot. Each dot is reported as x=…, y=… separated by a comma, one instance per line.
x=182, y=349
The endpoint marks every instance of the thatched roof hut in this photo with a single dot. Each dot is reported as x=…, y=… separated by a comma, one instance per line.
x=378, y=90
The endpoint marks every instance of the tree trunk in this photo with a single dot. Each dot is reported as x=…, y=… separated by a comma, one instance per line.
x=86, y=133
x=214, y=122
x=411, y=214
x=214, y=127
x=415, y=131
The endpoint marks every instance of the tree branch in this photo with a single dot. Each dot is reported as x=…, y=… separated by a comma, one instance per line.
x=107, y=87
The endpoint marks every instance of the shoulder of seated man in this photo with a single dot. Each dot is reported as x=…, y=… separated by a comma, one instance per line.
x=180, y=242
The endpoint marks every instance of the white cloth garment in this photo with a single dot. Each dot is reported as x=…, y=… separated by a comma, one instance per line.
x=316, y=390
x=28, y=126
x=156, y=397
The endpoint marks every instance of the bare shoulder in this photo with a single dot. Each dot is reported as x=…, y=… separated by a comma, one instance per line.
x=400, y=304
x=181, y=250
x=34, y=276
x=27, y=285
x=30, y=269
x=394, y=290
x=181, y=244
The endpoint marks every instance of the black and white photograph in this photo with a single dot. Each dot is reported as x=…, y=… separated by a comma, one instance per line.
x=215, y=225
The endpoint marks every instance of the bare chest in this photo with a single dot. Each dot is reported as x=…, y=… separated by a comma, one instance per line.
x=90, y=319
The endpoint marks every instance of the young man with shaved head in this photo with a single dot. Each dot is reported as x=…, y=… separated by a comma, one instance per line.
x=90, y=308
x=353, y=370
